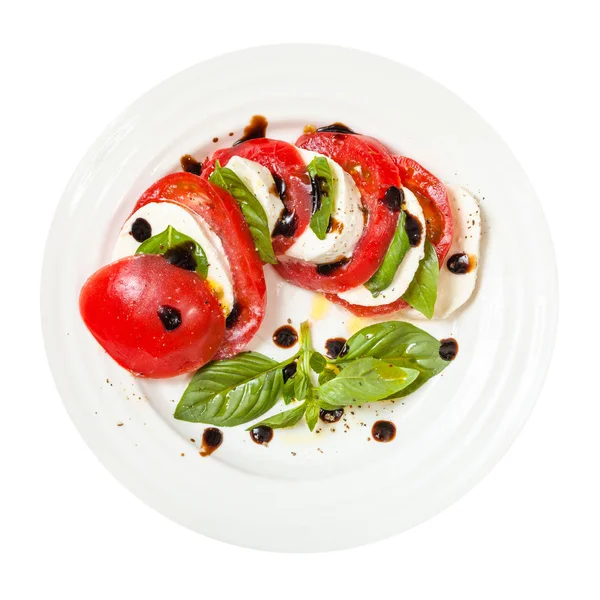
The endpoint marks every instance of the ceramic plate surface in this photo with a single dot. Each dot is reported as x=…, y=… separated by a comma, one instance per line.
x=449, y=434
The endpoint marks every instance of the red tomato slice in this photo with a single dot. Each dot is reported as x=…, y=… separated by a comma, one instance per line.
x=225, y=218
x=376, y=175
x=433, y=198
x=284, y=161
x=153, y=318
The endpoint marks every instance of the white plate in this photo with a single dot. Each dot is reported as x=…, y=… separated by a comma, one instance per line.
x=338, y=490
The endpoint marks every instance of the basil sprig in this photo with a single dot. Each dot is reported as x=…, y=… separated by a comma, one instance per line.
x=251, y=208
x=422, y=291
x=323, y=191
x=400, y=245
x=171, y=240
x=385, y=360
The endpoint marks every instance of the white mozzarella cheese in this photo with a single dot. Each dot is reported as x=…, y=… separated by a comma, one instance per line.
x=454, y=289
x=260, y=182
x=347, y=214
x=406, y=270
x=162, y=214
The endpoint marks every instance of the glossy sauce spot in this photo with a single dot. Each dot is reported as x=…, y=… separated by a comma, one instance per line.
x=289, y=371
x=336, y=128
x=285, y=337
x=394, y=198
x=280, y=186
x=286, y=224
x=182, y=256
x=169, y=316
x=141, y=230
x=233, y=316
x=331, y=416
x=336, y=347
x=414, y=230
x=383, y=431
x=448, y=349
x=261, y=435
x=335, y=226
x=212, y=438
x=257, y=128
x=328, y=268
x=190, y=165
x=461, y=263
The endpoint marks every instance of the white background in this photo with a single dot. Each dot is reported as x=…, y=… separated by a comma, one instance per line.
x=531, y=529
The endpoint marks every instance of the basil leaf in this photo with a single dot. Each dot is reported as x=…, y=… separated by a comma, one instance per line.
x=288, y=391
x=252, y=209
x=312, y=414
x=301, y=385
x=323, y=191
x=171, y=239
x=317, y=362
x=365, y=380
x=383, y=277
x=233, y=391
x=325, y=376
x=287, y=418
x=402, y=345
x=422, y=291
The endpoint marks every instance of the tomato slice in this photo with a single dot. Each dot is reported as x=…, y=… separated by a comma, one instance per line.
x=433, y=198
x=153, y=318
x=223, y=215
x=374, y=173
x=284, y=161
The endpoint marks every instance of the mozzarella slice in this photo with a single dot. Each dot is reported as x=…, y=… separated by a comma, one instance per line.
x=162, y=214
x=454, y=289
x=260, y=182
x=406, y=270
x=346, y=213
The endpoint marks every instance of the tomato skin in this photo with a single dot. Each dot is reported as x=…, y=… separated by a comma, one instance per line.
x=224, y=217
x=368, y=311
x=378, y=173
x=120, y=302
x=421, y=182
x=283, y=160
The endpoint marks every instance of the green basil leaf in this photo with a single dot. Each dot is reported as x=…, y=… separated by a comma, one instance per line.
x=422, y=291
x=252, y=209
x=383, y=277
x=312, y=414
x=365, y=380
x=325, y=376
x=317, y=362
x=301, y=384
x=287, y=418
x=402, y=345
x=233, y=391
x=288, y=391
x=169, y=239
x=323, y=186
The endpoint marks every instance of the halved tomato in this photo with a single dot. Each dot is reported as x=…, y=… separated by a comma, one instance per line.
x=155, y=319
x=377, y=178
x=223, y=215
x=291, y=178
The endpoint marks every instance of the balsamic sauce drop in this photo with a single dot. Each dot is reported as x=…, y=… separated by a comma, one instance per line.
x=233, y=316
x=190, y=165
x=289, y=371
x=414, y=230
x=182, y=256
x=279, y=186
x=336, y=347
x=169, y=316
x=257, y=128
x=262, y=435
x=394, y=198
x=212, y=438
x=141, y=230
x=328, y=268
x=319, y=187
x=336, y=128
x=285, y=337
x=331, y=416
x=448, y=349
x=286, y=224
x=383, y=431
x=460, y=263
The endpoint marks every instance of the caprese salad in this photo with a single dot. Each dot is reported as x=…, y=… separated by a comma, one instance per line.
x=336, y=213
